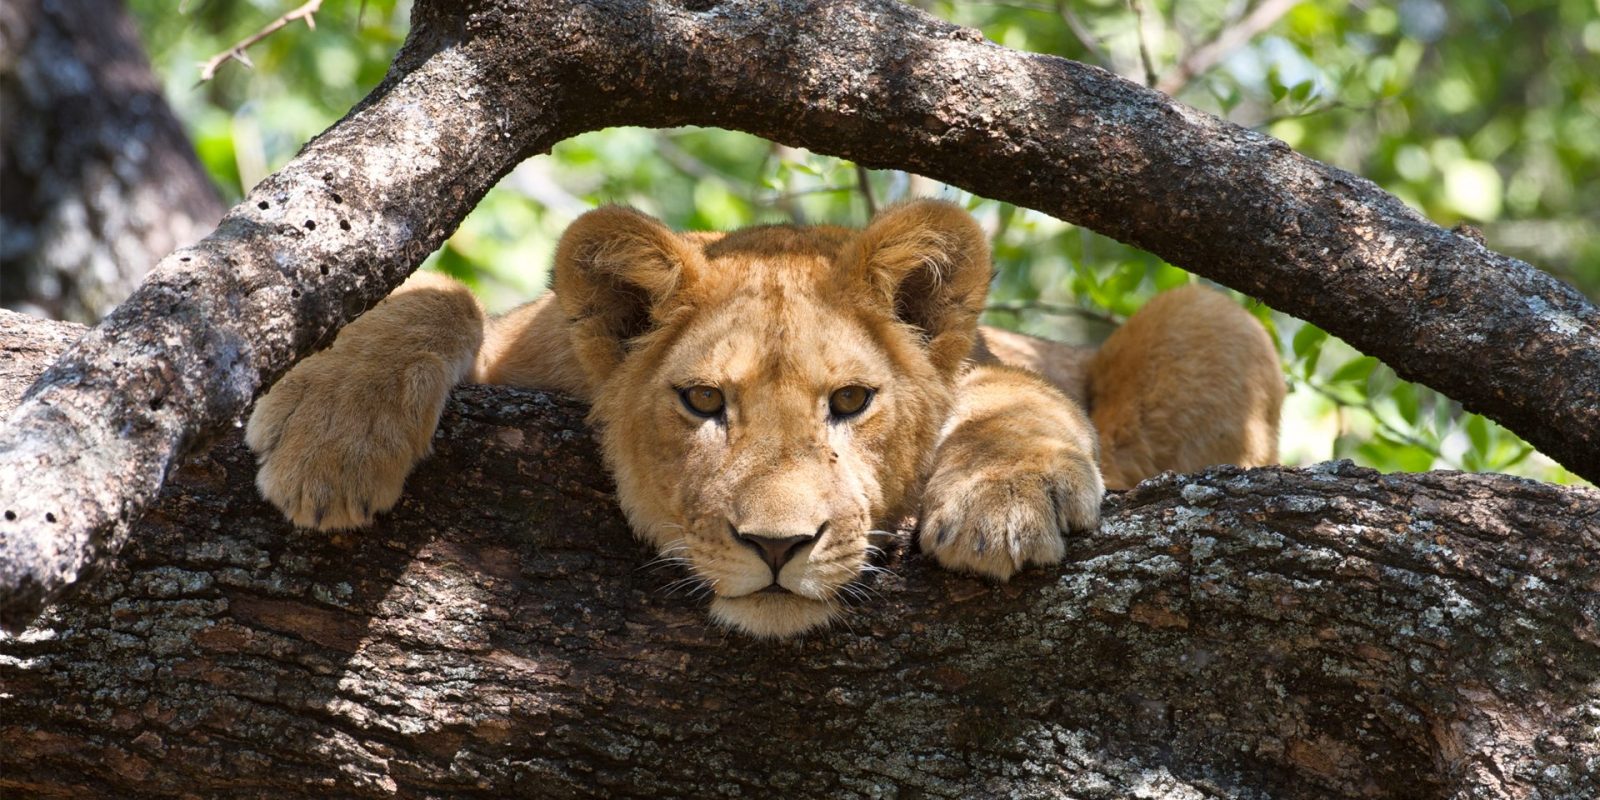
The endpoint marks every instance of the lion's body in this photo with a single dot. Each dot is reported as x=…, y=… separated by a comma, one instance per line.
x=987, y=437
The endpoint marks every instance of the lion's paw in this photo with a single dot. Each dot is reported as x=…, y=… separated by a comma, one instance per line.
x=996, y=516
x=335, y=438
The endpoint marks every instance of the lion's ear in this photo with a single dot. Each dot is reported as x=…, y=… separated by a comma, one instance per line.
x=928, y=261
x=616, y=273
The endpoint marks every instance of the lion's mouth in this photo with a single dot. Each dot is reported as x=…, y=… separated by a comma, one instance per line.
x=771, y=588
x=772, y=615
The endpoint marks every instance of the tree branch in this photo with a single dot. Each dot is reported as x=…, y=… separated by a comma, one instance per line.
x=1322, y=632
x=307, y=12
x=864, y=185
x=99, y=179
x=480, y=86
x=1137, y=8
x=1081, y=32
x=1228, y=39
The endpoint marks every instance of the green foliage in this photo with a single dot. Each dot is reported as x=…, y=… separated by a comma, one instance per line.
x=247, y=122
x=1477, y=110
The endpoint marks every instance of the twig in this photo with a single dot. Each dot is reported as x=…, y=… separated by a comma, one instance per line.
x=1309, y=111
x=1341, y=403
x=778, y=197
x=1054, y=309
x=307, y=12
x=1081, y=31
x=1137, y=7
x=866, y=191
x=782, y=198
x=689, y=164
x=1229, y=38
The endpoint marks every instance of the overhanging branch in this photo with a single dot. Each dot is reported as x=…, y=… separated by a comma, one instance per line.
x=479, y=86
x=883, y=85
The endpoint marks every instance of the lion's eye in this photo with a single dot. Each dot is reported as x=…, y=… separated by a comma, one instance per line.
x=702, y=401
x=849, y=401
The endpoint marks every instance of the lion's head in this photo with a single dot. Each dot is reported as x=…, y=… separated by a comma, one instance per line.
x=767, y=397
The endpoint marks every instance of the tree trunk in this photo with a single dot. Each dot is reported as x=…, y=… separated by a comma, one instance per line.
x=481, y=85
x=1320, y=632
x=97, y=179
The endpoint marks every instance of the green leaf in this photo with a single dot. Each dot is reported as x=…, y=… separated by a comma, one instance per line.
x=451, y=262
x=1523, y=451
x=1275, y=84
x=1226, y=94
x=1308, y=339
x=1405, y=401
x=1355, y=370
x=1169, y=277
x=1387, y=454
x=1478, y=433
x=1006, y=214
x=1125, y=282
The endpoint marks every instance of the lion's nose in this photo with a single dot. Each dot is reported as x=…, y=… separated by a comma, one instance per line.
x=775, y=550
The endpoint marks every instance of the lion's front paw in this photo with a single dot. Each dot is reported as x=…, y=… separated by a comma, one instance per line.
x=335, y=439
x=995, y=515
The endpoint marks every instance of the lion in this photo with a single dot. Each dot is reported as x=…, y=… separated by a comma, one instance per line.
x=769, y=399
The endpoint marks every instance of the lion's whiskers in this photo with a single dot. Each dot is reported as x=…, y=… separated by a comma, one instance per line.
x=841, y=614
x=876, y=535
x=694, y=583
x=659, y=564
x=668, y=556
x=865, y=592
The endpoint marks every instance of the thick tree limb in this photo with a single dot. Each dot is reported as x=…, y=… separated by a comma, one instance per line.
x=478, y=87
x=1323, y=632
x=97, y=179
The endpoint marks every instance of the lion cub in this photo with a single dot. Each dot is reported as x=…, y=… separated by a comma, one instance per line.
x=767, y=397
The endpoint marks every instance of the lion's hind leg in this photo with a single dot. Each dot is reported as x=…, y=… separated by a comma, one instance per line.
x=1189, y=381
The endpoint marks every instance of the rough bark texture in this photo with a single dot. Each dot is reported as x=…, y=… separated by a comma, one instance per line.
x=1322, y=632
x=480, y=85
x=97, y=179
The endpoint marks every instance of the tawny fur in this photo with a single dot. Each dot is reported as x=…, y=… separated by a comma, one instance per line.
x=985, y=435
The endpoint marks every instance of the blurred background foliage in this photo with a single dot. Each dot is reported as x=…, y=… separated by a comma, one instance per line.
x=1474, y=110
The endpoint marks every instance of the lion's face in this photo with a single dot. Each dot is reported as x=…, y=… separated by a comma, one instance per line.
x=738, y=444
x=768, y=398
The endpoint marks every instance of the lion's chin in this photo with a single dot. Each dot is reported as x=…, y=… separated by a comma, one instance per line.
x=772, y=616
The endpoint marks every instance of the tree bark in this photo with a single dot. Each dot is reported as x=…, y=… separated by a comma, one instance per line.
x=479, y=86
x=97, y=179
x=1320, y=632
